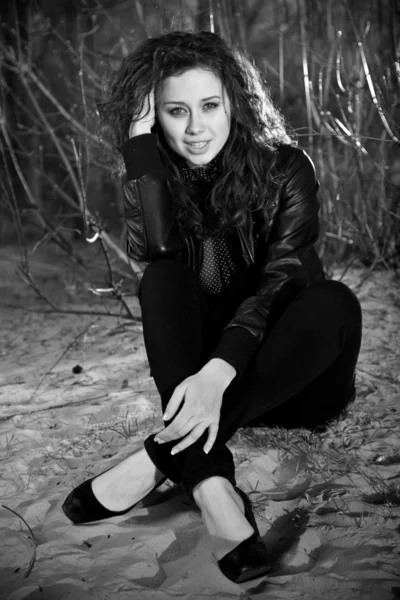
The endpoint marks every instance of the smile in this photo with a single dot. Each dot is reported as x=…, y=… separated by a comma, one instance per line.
x=197, y=144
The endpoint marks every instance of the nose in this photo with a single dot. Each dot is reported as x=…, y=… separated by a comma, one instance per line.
x=195, y=125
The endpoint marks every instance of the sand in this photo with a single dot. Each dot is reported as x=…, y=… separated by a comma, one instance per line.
x=76, y=397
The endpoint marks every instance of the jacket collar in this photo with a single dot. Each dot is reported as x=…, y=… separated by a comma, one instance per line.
x=207, y=174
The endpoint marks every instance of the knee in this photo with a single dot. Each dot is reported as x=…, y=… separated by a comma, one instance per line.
x=336, y=298
x=161, y=273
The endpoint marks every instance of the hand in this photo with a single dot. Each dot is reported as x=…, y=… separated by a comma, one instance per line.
x=144, y=122
x=202, y=395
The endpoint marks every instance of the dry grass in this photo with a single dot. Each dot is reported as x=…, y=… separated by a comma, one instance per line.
x=336, y=464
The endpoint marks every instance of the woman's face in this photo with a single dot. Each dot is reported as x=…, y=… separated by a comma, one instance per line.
x=194, y=113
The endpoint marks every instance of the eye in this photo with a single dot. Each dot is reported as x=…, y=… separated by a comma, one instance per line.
x=173, y=111
x=212, y=105
x=208, y=106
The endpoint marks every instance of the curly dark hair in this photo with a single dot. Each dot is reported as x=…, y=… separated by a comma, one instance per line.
x=248, y=178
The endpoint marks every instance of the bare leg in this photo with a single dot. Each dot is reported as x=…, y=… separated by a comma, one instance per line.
x=222, y=510
x=128, y=482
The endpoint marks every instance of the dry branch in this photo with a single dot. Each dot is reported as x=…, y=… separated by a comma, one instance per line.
x=33, y=559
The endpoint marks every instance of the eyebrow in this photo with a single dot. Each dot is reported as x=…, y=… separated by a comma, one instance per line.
x=203, y=100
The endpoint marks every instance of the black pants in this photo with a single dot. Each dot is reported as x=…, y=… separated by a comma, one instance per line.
x=302, y=373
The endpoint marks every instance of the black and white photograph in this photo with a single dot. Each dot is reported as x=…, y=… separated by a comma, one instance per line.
x=200, y=299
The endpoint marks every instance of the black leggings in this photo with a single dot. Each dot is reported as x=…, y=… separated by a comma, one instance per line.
x=302, y=374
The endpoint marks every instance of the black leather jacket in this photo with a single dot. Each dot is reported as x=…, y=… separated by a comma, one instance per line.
x=284, y=255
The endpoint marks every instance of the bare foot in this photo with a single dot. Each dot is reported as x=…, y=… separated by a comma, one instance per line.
x=128, y=482
x=222, y=510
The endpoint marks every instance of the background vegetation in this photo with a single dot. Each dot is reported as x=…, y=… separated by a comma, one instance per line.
x=333, y=68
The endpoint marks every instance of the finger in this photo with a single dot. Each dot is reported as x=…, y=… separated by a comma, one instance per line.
x=212, y=436
x=176, y=430
x=194, y=435
x=174, y=402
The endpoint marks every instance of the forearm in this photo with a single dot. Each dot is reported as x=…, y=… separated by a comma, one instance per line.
x=141, y=156
x=152, y=229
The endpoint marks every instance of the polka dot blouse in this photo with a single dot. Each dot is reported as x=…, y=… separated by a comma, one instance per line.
x=222, y=267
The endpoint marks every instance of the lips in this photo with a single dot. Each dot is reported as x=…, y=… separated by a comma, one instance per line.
x=197, y=148
x=197, y=144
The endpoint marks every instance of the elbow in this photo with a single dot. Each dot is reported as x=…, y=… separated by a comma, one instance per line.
x=161, y=252
x=165, y=246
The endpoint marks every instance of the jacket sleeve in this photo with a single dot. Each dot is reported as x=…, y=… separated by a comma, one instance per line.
x=152, y=228
x=283, y=271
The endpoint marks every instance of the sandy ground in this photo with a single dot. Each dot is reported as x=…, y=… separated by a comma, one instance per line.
x=327, y=504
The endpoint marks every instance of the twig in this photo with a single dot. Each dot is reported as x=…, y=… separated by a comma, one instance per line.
x=12, y=201
x=368, y=77
x=60, y=358
x=23, y=67
x=93, y=75
x=74, y=181
x=111, y=243
x=307, y=82
x=91, y=313
x=66, y=404
x=27, y=277
x=82, y=196
x=116, y=291
x=376, y=377
x=347, y=267
x=33, y=559
x=78, y=155
x=42, y=219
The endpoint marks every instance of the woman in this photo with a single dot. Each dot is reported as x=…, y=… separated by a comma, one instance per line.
x=240, y=323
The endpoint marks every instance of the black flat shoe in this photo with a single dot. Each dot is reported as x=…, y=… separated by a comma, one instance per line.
x=82, y=506
x=250, y=559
